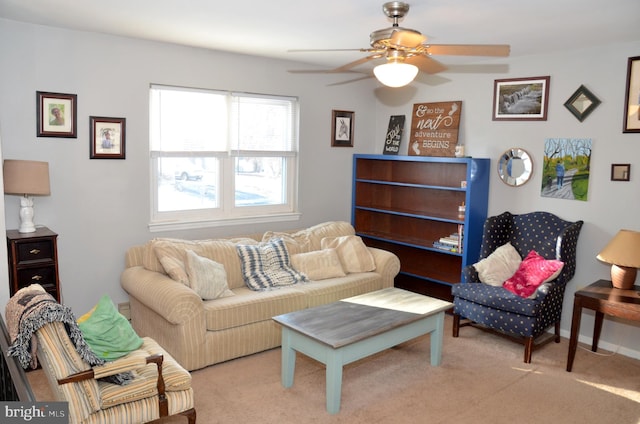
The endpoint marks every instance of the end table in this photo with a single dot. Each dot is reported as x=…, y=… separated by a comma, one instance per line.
x=603, y=298
x=33, y=258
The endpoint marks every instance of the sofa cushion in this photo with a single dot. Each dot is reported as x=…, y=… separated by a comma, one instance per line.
x=207, y=277
x=266, y=265
x=297, y=242
x=496, y=268
x=533, y=271
x=248, y=307
x=331, y=290
x=175, y=377
x=328, y=229
x=172, y=255
x=319, y=264
x=353, y=253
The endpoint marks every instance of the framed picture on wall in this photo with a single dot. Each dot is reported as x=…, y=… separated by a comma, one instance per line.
x=107, y=137
x=620, y=171
x=521, y=99
x=632, y=97
x=56, y=114
x=342, y=128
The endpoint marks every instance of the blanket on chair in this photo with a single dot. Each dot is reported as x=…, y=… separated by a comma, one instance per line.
x=31, y=308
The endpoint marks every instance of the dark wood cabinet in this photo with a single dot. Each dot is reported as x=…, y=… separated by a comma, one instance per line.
x=33, y=259
x=405, y=204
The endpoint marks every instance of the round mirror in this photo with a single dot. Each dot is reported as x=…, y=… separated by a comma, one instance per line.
x=515, y=167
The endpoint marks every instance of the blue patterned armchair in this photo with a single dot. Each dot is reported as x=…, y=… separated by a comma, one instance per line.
x=496, y=308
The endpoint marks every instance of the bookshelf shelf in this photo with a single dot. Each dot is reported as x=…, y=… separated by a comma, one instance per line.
x=406, y=203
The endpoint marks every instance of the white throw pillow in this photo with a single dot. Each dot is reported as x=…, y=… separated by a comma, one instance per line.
x=499, y=266
x=318, y=265
x=207, y=277
x=353, y=253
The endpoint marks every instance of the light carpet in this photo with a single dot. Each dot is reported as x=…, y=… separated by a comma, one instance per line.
x=482, y=379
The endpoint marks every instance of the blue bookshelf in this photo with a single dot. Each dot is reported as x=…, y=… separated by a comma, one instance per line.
x=405, y=204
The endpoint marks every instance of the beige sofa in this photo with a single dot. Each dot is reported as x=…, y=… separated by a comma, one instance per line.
x=198, y=332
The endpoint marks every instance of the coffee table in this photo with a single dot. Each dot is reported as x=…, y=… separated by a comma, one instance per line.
x=342, y=332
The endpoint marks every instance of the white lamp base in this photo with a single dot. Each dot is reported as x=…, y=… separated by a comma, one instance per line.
x=26, y=215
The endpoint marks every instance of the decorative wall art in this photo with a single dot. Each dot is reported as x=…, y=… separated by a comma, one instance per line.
x=342, y=128
x=434, y=129
x=107, y=137
x=56, y=114
x=565, y=168
x=394, y=135
x=521, y=99
x=632, y=97
x=620, y=171
x=582, y=103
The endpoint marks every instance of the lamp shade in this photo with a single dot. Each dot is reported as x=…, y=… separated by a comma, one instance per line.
x=395, y=74
x=623, y=253
x=26, y=177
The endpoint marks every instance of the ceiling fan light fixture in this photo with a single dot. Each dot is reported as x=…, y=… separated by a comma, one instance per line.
x=395, y=74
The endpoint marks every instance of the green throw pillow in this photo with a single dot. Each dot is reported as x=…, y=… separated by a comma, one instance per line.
x=107, y=332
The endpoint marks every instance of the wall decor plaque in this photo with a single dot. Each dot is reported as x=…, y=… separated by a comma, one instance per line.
x=394, y=135
x=434, y=129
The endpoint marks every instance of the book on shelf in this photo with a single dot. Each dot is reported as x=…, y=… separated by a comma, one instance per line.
x=447, y=247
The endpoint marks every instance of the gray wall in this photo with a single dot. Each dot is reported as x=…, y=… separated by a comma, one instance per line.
x=101, y=207
x=611, y=205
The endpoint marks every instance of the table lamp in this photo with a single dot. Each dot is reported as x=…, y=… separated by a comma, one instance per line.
x=26, y=178
x=623, y=253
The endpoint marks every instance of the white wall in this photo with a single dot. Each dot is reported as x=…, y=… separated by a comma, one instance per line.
x=611, y=205
x=101, y=207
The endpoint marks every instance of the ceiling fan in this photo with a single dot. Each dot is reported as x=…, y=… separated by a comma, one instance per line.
x=405, y=51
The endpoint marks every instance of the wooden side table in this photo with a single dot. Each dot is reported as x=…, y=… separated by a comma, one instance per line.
x=603, y=299
x=33, y=259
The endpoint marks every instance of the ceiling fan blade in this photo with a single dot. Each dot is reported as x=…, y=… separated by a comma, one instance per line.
x=348, y=66
x=426, y=64
x=320, y=71
x=322, y=50
x=410, y=39
x=469, y=49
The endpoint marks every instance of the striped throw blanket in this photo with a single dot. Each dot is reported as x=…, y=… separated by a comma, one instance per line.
x=31, y=308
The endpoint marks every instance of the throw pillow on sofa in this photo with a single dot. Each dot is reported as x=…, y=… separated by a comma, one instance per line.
x=267, y=265
x=319, y=264
x=353, y=253
x=207, y=277
x=172, y=254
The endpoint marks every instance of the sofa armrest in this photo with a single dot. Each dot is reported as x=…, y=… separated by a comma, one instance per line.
x=174, y=301
x=387, y=265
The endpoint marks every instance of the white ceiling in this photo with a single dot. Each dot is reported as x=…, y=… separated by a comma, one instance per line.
x=271, y=28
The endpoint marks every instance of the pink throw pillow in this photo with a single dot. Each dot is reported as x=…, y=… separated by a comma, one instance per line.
x=533, y=271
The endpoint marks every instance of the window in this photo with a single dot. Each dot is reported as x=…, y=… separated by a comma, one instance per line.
x=219, y=157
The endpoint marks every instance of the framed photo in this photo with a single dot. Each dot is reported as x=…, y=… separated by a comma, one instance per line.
x=107, y=137
x=521, y=99
x=620, y=171
x=342, y=128
x=582, y=103
x=632, y=97
x=56, y=114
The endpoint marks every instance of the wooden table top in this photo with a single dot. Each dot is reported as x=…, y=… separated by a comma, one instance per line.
x=353, y=319
x=603, y=290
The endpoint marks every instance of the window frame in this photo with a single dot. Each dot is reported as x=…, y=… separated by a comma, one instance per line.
x=227, y=213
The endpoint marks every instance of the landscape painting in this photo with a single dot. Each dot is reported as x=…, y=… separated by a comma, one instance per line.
x=565, y=168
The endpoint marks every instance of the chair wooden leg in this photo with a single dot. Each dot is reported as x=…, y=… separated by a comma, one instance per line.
x=558, y=332
x=528, y=349
x=190, y=414
x=456, y=325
